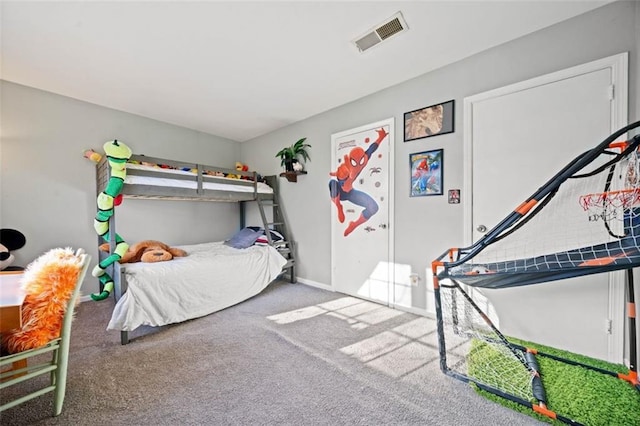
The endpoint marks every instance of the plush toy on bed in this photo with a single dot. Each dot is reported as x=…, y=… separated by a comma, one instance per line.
x=10, y=239
x=148, y=251
x=241, y=168
x=117, y=155
x=92, y=155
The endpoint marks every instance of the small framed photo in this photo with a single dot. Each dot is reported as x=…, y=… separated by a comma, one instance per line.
x=454, y=196
x=429, y=121
x=426, y=172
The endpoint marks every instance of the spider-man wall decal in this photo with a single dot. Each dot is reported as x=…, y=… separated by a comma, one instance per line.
x=341, y=188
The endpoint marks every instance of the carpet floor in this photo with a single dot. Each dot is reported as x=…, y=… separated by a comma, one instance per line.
x=293, y=355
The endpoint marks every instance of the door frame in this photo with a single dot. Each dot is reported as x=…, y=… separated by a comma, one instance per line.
x=619, y=66
x=390, y=199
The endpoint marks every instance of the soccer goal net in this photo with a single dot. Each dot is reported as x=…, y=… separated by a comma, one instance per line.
x=584, y=220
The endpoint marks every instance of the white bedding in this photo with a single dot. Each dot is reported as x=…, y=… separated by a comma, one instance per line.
x=211, y=277
x=263, y=188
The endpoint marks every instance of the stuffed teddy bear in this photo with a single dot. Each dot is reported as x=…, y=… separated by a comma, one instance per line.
x=10, y=239
x=148, y=251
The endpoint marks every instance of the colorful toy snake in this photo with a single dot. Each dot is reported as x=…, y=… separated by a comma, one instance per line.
x=117, y=156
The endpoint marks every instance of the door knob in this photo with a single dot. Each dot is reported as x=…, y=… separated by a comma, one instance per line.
x=481, y=228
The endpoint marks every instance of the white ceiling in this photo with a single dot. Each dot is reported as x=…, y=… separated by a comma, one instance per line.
x=242, y=69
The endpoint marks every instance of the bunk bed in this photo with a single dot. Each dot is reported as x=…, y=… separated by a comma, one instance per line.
x=213, y=275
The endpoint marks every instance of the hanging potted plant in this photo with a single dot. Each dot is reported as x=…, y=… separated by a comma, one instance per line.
x=292, y=154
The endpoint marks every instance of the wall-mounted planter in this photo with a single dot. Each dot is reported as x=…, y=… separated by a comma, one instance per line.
x=292, y=176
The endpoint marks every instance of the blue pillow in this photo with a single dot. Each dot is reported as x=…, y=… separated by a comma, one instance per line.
x=243, y=238
x=275, y=235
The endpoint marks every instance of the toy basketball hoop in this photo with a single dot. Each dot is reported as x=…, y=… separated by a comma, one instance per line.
x=611, y=204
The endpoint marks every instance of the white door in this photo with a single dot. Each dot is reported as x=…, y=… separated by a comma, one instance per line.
x=360, y=190
x=518, y=138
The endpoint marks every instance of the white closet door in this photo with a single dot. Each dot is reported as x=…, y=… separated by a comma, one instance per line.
x=519, y=137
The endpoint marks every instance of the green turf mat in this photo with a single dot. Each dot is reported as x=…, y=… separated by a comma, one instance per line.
x=586, y=396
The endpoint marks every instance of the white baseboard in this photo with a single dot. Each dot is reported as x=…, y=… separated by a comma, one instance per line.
x=417, y=311
x=314, y=284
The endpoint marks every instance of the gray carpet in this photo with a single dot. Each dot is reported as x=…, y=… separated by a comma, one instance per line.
x=293, y=355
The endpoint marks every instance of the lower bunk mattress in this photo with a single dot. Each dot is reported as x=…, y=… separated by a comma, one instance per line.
x=212, y=276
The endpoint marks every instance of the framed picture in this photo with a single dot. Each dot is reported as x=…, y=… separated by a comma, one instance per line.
x=454, y=196
x=426, y=172
x=429, y=121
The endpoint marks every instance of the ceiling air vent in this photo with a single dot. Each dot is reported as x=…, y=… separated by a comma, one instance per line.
x=390, y=27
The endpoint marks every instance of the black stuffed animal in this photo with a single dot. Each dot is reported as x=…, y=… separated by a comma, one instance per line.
x=10, y=239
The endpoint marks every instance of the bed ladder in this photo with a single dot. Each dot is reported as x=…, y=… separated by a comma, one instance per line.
x=285, y=247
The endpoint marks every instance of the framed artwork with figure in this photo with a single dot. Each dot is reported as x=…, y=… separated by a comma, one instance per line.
x=429, y=121
x=426, y=172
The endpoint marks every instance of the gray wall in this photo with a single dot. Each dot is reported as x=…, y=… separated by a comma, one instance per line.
x=48, y=189
x=424, y=227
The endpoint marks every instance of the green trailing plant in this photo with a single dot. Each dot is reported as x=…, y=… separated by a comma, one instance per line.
x=293, y=153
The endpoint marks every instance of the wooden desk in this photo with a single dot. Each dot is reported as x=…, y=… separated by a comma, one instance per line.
x=11, y=298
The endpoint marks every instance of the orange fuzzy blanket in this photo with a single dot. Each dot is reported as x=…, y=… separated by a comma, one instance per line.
x=49, y=282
